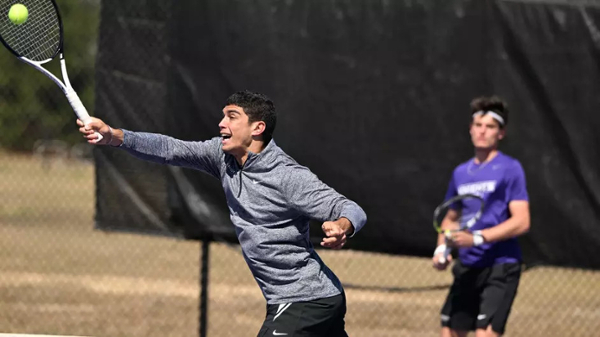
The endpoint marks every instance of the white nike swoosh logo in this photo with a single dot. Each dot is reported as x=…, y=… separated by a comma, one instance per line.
x=480, y=317
x=282, y=307
x=275, y=333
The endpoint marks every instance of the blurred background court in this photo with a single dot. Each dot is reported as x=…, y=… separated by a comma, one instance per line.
x=63, y=273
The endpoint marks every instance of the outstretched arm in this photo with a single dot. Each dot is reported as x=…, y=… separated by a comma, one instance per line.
x=157, y=148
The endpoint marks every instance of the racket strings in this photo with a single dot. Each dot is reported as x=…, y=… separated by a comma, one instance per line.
x=466, y=220
x=38, y=39
x=469, y=206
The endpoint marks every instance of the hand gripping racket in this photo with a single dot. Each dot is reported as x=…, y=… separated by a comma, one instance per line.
x=38, y=41
x=466, y=221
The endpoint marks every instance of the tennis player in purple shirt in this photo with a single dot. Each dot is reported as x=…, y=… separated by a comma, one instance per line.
x=487, y=273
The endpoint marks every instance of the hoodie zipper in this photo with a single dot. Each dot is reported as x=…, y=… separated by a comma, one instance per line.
x=242, y=172
x=240, y=189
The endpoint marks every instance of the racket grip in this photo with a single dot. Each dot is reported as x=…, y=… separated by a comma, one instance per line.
x=80, y=110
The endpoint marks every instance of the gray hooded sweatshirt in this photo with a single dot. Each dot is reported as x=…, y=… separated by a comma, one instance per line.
x=271, y=200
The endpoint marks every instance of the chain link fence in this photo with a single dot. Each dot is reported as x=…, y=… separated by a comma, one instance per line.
x=61, y=276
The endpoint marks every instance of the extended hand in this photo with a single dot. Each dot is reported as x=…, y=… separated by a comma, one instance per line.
x=96, y=126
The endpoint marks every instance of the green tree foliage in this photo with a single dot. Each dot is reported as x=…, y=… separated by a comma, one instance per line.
x=33, y=107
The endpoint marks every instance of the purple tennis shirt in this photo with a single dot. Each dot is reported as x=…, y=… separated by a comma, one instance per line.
x=498, y=181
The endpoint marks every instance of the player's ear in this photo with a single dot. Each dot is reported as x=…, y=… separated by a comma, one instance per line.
x=258, y=128
x=502, y=133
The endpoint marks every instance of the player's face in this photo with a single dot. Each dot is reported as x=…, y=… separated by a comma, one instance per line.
x=485, y=132
x=236, y=130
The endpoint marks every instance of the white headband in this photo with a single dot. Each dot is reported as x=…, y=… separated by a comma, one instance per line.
x=491, y=113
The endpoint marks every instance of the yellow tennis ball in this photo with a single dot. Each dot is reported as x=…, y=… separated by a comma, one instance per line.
x=18, y=14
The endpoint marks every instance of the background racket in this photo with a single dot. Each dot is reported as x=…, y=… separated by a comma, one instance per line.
x=467, y=219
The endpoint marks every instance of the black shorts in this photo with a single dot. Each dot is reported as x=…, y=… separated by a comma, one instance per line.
x=319, y=318
x=480, y=297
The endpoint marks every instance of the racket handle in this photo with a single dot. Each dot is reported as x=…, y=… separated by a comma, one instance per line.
x=80, y=110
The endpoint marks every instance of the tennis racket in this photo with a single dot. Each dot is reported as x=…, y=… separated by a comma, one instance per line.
x=466, y=221
x=38, y=41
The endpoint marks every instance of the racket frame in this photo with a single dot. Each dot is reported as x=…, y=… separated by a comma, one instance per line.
x=468, y=224
x=65, y=84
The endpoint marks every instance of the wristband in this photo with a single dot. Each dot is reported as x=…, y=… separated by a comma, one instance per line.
x=440, y=249
x=478, y=239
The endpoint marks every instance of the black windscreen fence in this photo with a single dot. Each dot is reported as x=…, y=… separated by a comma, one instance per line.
x=372, y=96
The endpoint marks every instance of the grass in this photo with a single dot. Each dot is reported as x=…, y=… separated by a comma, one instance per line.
x=60, y=276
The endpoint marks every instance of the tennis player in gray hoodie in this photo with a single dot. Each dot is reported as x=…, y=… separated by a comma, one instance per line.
x=271, y=199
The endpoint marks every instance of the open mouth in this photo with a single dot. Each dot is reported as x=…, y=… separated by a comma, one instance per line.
x=225, y=137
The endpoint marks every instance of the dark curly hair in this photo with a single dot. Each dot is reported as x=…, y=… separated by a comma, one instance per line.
x=258, y=107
